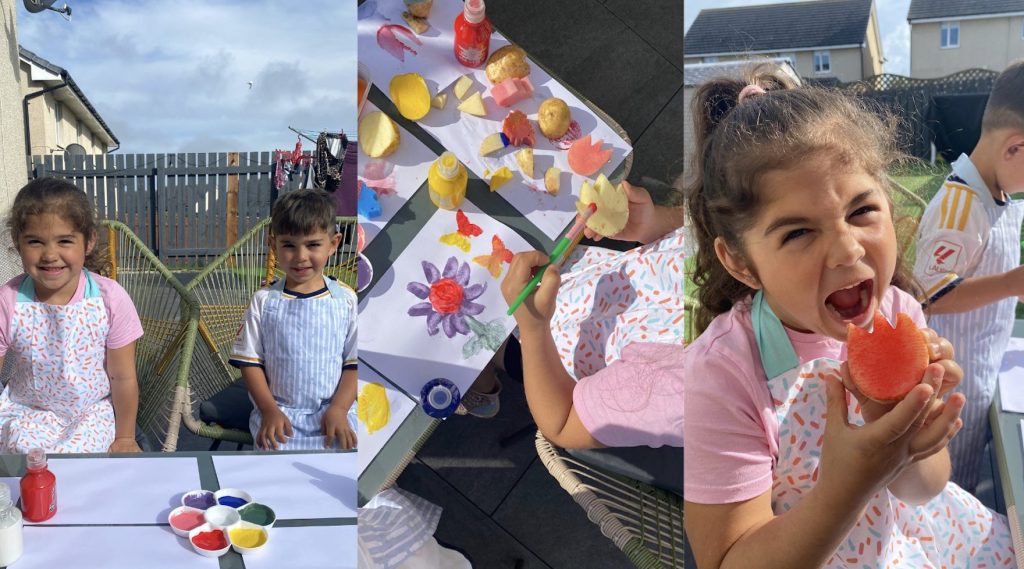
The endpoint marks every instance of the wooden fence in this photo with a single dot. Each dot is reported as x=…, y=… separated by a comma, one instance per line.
x=185, y=207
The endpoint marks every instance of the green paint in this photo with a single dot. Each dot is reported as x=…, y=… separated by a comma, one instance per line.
x=257, y=514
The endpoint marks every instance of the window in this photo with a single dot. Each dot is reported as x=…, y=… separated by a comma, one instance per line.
x=711, y=59
x=949, y=35
x=822, y=62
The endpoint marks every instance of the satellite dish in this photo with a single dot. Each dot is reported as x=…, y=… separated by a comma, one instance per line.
x=36, y=6
x=74, y=150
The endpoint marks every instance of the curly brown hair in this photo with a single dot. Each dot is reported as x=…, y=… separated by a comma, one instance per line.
x=737, y=144
x=59, y=197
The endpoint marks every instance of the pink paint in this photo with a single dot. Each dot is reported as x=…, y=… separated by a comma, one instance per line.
x=511, y=91
x=187, y=520
x=396, y=40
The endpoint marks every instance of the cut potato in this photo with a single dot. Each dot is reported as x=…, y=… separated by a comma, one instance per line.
x=500, y=177
x=552, y=180
x=525, y=159
x=493, y=143
x=474, y=105
x=439, y=101
x=411, y=96
x=612, y=206
x=378, y=135
x=462, y=84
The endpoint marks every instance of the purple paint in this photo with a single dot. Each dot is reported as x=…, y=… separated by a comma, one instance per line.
x=200, y=500
x=232, y=501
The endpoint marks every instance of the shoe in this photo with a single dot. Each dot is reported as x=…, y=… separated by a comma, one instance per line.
x=482, y=405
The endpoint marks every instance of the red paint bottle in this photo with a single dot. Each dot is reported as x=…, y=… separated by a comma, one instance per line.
x=472, y=34
x=38, y=488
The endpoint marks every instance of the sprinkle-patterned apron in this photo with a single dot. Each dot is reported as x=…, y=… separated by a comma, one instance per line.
x=954, y=530
x=610, y=299
x=303, y=341
x=59, y=396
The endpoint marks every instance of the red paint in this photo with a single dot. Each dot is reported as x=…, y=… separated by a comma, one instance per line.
x=210, y=540
x=38, y=489
x=187, y=520
x=472, y=34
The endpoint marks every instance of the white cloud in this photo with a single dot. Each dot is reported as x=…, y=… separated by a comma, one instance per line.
x=171, y=76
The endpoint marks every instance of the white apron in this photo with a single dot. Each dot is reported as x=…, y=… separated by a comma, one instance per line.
x=953, y=530
x=980, y=338
x=59, y=396
x=303, y=342
x=610, y=299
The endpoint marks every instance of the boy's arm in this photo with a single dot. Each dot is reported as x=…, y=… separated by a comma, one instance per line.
x=335, y=421
x=124, y=394
x=274, y=426
x=345, y=394
x=975, y=292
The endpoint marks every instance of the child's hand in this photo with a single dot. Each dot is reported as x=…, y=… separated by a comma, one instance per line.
x=124, y=444
x=865, y=459
x=641, y=215
x=940, y=351
x=336, y=428
x=275, y=428
x=539, y=307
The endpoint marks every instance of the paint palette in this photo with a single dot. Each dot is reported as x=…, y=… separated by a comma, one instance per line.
x=215, y=522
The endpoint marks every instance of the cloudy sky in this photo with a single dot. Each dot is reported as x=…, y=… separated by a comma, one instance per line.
x=174, y=76
x=892, y=22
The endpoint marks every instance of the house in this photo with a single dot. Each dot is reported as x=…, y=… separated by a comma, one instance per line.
x=947, y=36
x=57, y=112
x=831, y=40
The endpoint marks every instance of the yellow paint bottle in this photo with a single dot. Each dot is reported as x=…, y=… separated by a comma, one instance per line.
x=447, y=181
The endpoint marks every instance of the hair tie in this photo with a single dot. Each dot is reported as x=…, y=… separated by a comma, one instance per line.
x=750, y=91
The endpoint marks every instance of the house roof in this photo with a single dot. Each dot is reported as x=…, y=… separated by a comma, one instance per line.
x=778, y=27
x=66, y=77
x=695, y=74
x=927, y=9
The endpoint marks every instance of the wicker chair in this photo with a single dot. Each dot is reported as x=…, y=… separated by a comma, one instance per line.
x=224, y=289
x=170, y=318
x=645, y=522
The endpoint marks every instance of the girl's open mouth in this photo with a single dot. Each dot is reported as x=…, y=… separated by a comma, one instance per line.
x=851, y=304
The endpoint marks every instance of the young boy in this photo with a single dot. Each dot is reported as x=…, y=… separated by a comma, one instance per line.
x=968, y=254
x=297, y=345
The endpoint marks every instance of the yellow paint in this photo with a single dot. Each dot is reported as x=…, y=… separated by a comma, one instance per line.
x=373, y=408
x=248, y=537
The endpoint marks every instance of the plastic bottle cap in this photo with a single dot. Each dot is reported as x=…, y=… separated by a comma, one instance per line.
x=439, y=397
x=36, y=458
x=474, y=11
x=448, y=166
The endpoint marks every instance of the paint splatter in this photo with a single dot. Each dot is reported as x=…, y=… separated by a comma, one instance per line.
x=373, y=407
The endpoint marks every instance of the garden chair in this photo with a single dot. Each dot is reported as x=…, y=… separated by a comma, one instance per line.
x=644, y=522
x=170, y=318
x=224, y=289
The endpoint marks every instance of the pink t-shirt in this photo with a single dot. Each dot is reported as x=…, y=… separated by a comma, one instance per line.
x=637, y=400
x=125, y=326
x=732, y=433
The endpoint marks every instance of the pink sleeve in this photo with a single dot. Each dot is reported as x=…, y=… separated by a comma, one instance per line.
x=727, y=454
x=8, y=297
x=125, y=326
x=637, y=400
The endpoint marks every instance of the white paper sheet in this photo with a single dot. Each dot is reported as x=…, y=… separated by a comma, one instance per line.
x=94, y=547
x=318, y=547
x=120, y=490
x=398, y=345
x=434, y=59
x=405, y=170
x=462, y=133
x=400, y=405
x=1011, y=377
x=295, y=486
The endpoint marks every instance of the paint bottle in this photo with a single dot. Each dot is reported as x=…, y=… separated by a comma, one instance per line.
x=472, y=34
x=439, y=398
x=38, y=488
x=11, y=528
x=446, y=181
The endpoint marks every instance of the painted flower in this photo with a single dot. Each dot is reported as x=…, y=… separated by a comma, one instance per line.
x=449, y=298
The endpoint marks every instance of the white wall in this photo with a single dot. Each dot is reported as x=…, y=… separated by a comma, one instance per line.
x=13, y=173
